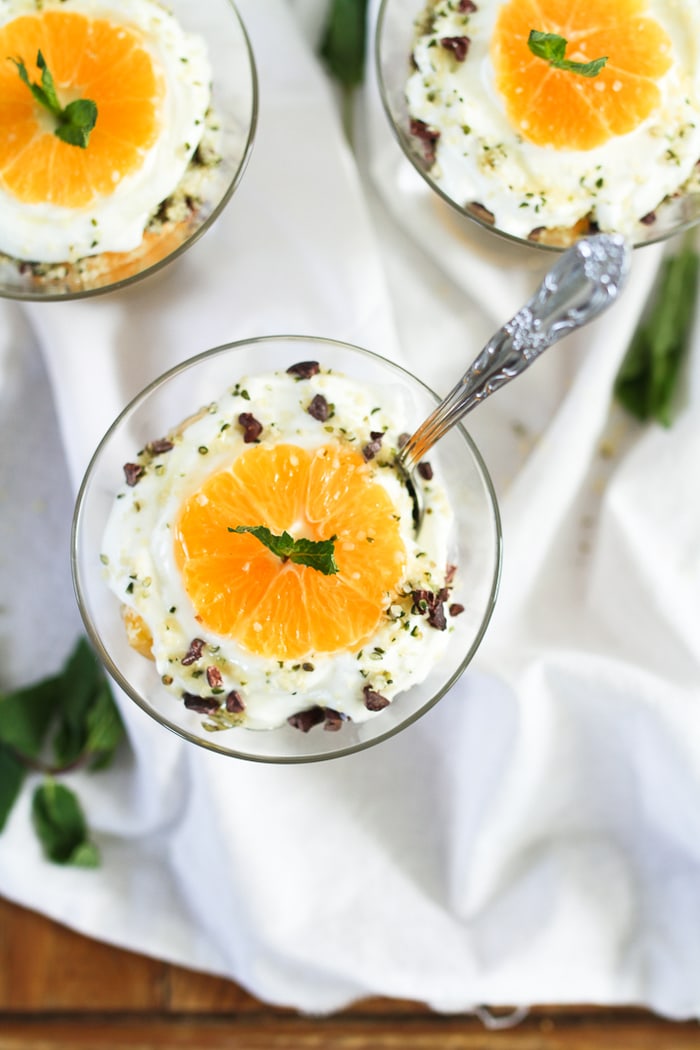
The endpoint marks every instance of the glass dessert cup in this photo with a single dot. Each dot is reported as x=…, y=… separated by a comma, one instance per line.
x=200, y=381
x=394, y=39
x=234, y=104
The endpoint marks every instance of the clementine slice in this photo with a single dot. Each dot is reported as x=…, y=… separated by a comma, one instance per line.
x=277, y=608
x=88, y=58
x=558, y=108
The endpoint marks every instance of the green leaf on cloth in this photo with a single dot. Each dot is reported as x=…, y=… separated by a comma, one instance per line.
x=344, y=39
x=647, y=380
x=61, y=826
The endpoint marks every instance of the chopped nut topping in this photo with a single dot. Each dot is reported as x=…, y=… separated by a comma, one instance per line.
x=305, y=720
x=133, y=472
x=374, y=444
x=428, y=137
x=374, y=701
x=304, y=369
x=194, y=652
x=214, y=677
x=159, y=446
x=252, y=428
x=234, y=702
x=319, y=408
x=458, y=45
x=206, y=705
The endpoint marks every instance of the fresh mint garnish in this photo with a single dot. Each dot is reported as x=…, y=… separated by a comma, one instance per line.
x=74, y=121
x=552, y=48
x=60, y=723
x=318, y=554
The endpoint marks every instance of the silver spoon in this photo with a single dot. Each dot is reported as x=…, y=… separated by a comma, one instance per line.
x=584, y=281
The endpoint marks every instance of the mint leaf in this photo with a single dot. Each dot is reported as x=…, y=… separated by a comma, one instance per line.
x=318, y=554
x=26, y=713
x=89, y=724
x=12, y=774
x=76, y=120
x=343, y=41
x=647, y=380
x=60, y=824
x=552, y=48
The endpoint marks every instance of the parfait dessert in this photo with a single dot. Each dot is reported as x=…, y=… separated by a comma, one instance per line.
x=266, y=558
x=106, y=132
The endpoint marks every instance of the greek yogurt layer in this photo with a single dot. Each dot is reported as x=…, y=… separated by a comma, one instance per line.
x=140, y=565
x=477, y=156
x=44, y=232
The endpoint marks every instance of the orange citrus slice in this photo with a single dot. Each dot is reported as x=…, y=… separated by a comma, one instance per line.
x=88, y=58
x=278, y=608
x=554, y=107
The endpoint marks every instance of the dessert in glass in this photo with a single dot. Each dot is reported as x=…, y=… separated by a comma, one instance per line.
x=547, y=121
x=247, y=562
x=125, y=126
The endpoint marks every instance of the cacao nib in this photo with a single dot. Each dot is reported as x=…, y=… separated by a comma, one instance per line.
x=133, y=472
x=427, y=136
x=436, y=616
x=374, y=701
x=425, y=470
x=467, y=7
x=234, y=702
x=649, y=219
x=304, y=369
x=306, y=720
x=333, y=720
x=318, y=408
x=194, y=652
x=159, y=446
x=433, y=604
x=402, y=439
x=458, y=45
x=252, y=428
x=206, y=705
x=455, y=609
x=214, y=677
x=374, y=444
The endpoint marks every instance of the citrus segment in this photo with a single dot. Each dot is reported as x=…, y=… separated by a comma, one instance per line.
x=555, y=107
x=277, y=608
x=87, y=58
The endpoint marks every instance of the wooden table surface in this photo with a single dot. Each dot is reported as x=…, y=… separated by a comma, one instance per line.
x=61, y=991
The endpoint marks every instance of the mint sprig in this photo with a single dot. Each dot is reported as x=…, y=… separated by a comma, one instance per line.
x=74, y=121
x=59, y=723
x=552, y=48
x=318, y=554
x=647, y=380
x=342, y=48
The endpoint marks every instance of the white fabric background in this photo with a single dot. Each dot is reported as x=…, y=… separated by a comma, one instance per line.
x=536, y=837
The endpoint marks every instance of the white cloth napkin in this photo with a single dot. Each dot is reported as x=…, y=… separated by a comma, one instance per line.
x=535, y=837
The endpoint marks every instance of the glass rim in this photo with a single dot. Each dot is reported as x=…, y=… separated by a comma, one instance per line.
x=119, y=677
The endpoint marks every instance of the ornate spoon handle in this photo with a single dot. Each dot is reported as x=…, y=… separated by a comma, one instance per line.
x=583, y=282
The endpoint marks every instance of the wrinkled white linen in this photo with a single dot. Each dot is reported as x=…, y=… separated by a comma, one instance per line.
x=535, y=837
